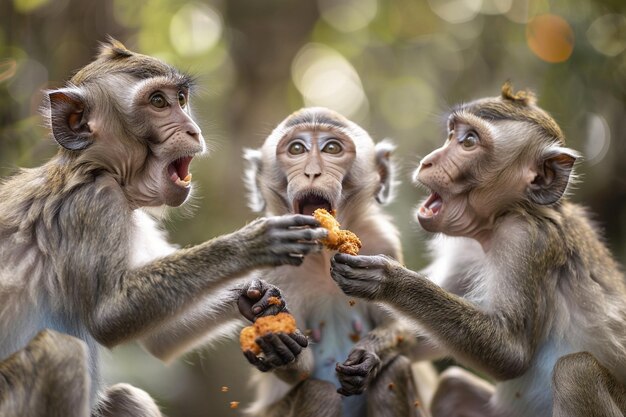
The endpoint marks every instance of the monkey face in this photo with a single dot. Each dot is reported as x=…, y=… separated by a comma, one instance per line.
x=173, y=138
x=128, y=115
x=315, y=163
x=451, y=173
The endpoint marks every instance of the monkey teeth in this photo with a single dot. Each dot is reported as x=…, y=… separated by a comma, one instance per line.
x=181, y=182
x=432, y=206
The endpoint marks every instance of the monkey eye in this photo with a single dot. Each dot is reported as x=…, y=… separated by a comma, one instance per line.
x=469, y=141
x=332, y=148
x=296, y=148
x=182, y=99
x=158, y=101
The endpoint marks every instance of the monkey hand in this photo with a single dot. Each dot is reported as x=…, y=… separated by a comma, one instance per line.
x=258, y=298
x=281, y=240
x=361, y=276
x=278, y=350
x=356, y=373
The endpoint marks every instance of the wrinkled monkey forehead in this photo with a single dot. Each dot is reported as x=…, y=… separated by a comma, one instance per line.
x=498, y=109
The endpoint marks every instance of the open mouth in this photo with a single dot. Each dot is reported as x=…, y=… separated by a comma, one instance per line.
x=178, y=171
x=431, y=207
x=308, y=203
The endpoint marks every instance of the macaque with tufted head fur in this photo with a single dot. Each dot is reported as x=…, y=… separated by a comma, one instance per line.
x=81, y=265
x=522, y=287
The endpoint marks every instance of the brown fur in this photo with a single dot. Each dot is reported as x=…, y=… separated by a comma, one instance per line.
x=527, y=285
x=78, y=255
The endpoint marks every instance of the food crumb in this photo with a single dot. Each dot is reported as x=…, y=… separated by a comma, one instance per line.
x=274, y=301
x=224, y=388
x=354, y=337
x=400, y=339
x=352, y=303
x=391, y=386
x=234, y=404
x=416, y=404
x=518, y=395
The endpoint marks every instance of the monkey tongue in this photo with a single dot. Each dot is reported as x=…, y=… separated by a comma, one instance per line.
x=431, y=206
x=184, y=183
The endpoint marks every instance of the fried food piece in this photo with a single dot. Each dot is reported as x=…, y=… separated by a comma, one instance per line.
x=247, y=339
x=343, y=241
x=234, y=404
x=281, y=322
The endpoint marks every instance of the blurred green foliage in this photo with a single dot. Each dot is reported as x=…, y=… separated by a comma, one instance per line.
x=394, y=67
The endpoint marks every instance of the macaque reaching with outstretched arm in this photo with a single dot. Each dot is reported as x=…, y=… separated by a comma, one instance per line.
x=82, y=266
x=316, y=159
x=522, y=288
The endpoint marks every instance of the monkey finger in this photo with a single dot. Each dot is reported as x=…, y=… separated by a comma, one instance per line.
x=291, y=344
x=297, y=248
x=276, y=353
x=359, y=261
x=353, y=384
x=255, y=289
x=263, y=307
x=348, y=389
x=356, y=356
x=351, y=370
x=304, y=235
x=256, y=361
x=300, y=338
x=293, y=220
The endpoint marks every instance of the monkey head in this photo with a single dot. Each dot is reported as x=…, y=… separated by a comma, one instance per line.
x=317, y=158
x=500, y=153
x=128, y=114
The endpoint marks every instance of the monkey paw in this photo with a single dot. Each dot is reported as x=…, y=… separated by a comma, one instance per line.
x=356, y=373
x=360, y=276
x=278, y=349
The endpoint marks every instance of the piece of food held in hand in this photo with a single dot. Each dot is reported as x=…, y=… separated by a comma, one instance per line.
x=280, y=323
x=343, y=241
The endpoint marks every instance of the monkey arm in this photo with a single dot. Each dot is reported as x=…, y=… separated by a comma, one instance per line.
x=499, y=343
x=210, y=318
x=119, y=303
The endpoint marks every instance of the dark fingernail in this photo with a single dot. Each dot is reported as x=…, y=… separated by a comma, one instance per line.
x=257, y=310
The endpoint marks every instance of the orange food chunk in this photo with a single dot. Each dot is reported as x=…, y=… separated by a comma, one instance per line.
x=343, y=241
x=281, y=322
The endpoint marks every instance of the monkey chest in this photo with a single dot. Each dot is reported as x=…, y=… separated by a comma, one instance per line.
x=334, y=328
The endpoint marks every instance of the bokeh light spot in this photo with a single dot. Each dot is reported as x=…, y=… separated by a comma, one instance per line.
x=607, y=34
x=348, y=15
x=496, y=7
x=195, y=29
x=325, y=78
x=598, y=138
x=405, y=102
x=456, y=11
x=550, y=37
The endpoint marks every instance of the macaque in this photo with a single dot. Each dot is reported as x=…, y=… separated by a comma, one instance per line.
x=522, y=288
x=317, y=158
x=82, y=266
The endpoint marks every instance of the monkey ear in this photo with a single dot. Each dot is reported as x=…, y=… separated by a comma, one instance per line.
x=68, y=119
x=386, y=171
x=553, y=175
x=252, y=172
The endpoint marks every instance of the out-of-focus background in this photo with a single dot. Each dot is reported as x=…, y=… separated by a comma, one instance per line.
x=394, y=67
